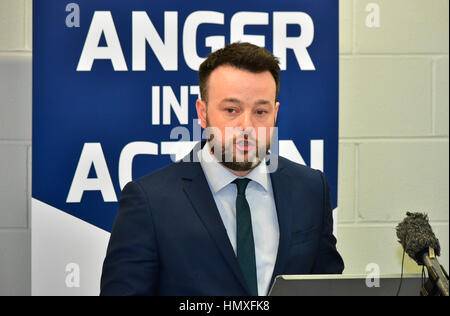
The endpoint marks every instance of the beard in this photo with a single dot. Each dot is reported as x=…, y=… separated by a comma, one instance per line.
x=227, y=156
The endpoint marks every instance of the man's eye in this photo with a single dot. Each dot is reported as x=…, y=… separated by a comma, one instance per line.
x=261, y=112
x=230, y=110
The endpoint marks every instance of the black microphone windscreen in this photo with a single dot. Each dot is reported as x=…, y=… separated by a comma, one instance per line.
x=416, y=236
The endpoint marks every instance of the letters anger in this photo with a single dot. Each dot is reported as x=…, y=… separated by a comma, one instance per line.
x=166, y=50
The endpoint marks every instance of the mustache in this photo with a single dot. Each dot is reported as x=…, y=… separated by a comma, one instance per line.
x=243, y=137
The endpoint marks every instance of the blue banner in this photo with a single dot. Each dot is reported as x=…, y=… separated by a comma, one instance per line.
x=112, y=79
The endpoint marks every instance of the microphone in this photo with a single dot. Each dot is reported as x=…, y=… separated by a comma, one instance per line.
x=420, y=243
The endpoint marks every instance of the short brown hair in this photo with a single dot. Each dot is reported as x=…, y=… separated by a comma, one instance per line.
x=242, y=56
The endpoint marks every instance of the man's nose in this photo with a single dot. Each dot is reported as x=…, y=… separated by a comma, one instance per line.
x=246, y=120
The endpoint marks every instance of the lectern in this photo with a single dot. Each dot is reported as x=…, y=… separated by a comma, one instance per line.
x=345, y=285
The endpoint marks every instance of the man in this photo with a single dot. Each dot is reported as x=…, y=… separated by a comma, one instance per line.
x=230, y=223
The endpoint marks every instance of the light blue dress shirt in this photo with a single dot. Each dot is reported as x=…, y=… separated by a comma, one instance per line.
x=260, y=198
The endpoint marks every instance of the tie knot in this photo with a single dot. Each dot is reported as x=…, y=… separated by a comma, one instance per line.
x=241, y=185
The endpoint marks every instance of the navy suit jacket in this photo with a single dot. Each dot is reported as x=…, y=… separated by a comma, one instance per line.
x=168, y=237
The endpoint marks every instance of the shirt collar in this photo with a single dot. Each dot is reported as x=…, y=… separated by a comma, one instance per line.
x=219, y=177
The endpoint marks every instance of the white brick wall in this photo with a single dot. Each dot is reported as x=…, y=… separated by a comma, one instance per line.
x=394, y=109
x=385, y=96
x=406, y=27
x=394, y=150
x=15, y=146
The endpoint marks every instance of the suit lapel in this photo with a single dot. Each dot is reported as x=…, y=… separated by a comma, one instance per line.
x=197, y=190
x=283, y=201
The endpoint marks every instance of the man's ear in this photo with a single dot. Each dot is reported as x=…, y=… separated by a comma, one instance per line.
x=277, y=106
x=201, y=112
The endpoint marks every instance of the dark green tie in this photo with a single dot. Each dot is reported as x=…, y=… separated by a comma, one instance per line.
x=245, y=242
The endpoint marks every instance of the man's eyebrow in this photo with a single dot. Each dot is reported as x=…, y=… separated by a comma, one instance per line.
x=263, y=102
x=238, y=102
x=231, y=100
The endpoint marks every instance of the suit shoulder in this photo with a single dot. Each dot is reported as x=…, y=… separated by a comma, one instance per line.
x=297, y=169
x=302, y=175
x=166, y=177
x=168, y=172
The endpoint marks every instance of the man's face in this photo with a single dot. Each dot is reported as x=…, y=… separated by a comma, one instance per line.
x=241, y=106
